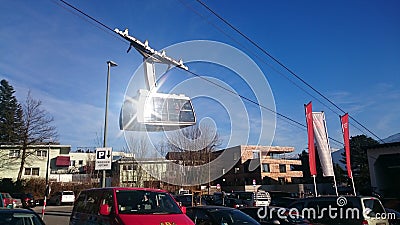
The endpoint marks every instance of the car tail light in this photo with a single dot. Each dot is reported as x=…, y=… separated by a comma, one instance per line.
x=364, y=222
x=26, y=199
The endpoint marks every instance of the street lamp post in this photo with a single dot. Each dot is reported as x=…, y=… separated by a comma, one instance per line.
x=109, y=65
x=47, y=191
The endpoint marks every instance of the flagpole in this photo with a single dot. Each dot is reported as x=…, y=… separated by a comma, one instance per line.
x=345, y=130
x=334, y=183
x=352, y=182
x=315, y=186
x=330, y=152
x=311, y=146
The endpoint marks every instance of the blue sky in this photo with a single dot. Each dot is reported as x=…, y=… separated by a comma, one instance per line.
x=347, y=50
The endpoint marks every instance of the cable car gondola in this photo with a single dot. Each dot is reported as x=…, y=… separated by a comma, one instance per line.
x=159, y=112
x=149, y=110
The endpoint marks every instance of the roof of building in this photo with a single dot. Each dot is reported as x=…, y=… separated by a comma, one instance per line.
x=385, y=145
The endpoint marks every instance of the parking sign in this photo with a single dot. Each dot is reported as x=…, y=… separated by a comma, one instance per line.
x=103, y=159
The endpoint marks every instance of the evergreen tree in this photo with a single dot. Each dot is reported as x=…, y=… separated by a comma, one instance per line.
x=359, y=162
x=11, y=115
x=340, y=174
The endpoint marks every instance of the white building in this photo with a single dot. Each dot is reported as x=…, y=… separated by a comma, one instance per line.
x=35, y=163
x=63, y=165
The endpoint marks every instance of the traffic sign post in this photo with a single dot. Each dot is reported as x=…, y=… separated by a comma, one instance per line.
x=103, y=159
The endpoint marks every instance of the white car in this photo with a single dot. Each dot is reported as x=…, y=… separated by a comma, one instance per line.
x=62, y=197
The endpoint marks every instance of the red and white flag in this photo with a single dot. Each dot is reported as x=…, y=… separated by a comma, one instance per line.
x=345, y=129
x=321, y=140
x=311, y=147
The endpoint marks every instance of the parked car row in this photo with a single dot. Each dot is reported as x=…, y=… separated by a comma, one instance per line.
x=152, y=206
x=127, y=206
x=235, y=199
x=26, y=199
x=17, y=200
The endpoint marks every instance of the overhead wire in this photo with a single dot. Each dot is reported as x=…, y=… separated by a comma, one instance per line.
x=262, y=60
x=76, y=11
x=106, y=28
x=283, y=66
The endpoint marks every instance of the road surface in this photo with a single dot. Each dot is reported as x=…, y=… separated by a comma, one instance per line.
x=55, y=215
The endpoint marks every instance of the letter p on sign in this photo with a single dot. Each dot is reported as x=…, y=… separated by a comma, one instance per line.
x=101, y=155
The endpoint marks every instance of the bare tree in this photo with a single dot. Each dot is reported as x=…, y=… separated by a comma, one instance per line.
x=194, y=144
x=138, y=147
x=192, y=147
x=37, y=127
x=90, y=164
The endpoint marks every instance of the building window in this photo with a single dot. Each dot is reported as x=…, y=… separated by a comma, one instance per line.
x=281, y=180
x=41, y=153
x=35, y=171
x=72, y=162
x=256, y=154
x=128, y=167
x=14, y=153
x=282, y=168
x=235, y=156
x=265, y=168
x=32, y=171
x=80, y=162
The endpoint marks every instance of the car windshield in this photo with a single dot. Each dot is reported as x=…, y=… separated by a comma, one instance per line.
x=145, y=202
x=7, y=218
x=68, y=193
x=372, y=207
x=232, y=217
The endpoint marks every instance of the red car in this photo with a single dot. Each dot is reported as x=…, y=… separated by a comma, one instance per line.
x=127, y=206
x=7, y=200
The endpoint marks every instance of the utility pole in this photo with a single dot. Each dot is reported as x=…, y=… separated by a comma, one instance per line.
x=109, y=65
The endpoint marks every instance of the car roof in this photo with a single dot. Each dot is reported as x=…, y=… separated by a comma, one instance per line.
x=128, y=189
x=19, y=210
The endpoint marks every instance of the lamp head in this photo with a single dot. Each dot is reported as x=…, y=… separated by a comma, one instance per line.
x=111, y=63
